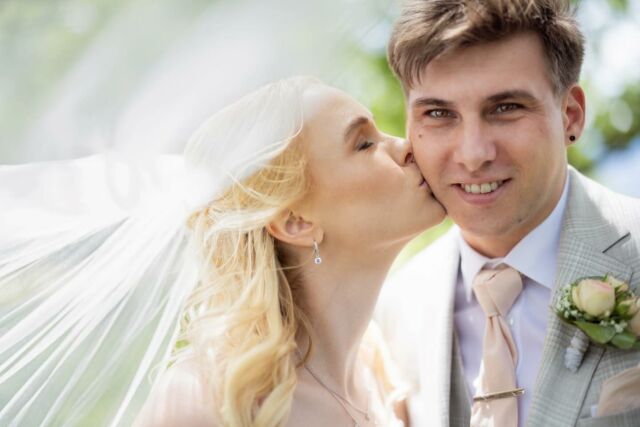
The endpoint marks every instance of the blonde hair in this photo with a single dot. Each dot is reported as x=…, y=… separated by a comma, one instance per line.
x=243, y=318
x=428, y=28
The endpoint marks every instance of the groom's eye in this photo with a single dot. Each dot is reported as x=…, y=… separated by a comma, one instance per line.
x=504, y=108
x=439, y=113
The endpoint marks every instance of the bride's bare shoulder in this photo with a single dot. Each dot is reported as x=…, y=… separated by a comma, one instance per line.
x=180, y=396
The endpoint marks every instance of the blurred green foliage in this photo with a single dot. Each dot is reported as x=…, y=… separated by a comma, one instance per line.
x=619, y=123
x=39, y=40
x=621, y=5
x=42, y=40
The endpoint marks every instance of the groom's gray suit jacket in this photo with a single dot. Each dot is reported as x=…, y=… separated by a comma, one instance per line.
x=600, y=234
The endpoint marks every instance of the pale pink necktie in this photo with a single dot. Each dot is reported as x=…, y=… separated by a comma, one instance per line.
x=496, y=291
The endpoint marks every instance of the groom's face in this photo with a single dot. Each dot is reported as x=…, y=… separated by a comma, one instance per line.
x=489, y=134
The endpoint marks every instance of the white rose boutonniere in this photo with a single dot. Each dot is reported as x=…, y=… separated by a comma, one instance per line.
x=605, y=310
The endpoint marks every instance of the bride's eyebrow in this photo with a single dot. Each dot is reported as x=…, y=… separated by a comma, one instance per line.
x=354, y=125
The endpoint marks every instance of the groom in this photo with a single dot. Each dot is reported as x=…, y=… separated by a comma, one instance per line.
x=492, y=104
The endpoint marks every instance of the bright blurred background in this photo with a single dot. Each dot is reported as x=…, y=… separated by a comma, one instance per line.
x=82, y=76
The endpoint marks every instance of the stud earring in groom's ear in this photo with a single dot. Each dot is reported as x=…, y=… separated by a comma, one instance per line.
x=572, y=138
x=316, y=253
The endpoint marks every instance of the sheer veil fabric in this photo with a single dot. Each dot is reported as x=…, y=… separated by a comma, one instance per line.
x=95, y=263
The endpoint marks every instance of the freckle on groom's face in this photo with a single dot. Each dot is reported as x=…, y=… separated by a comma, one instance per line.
x=488, y=134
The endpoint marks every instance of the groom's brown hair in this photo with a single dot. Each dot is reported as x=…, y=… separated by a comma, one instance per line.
x=428, y=28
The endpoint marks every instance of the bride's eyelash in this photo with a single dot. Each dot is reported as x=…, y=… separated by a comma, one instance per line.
x=364, y=145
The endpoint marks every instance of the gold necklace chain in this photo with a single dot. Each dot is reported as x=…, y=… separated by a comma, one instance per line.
x=343, y=401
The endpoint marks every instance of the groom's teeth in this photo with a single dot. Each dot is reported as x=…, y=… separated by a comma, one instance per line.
x=485, y=187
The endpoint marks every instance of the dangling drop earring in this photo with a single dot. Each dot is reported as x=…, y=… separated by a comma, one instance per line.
x=316, y=253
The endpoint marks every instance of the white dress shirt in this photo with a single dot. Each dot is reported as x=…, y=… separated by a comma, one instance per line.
x=535, y=257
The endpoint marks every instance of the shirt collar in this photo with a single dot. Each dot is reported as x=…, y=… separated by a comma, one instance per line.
x=535, y=256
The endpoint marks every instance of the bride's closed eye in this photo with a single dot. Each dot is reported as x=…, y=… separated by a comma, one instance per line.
x=364, y=145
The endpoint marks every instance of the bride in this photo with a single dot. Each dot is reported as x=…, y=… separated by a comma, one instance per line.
x=287, y=296
x=297, y=207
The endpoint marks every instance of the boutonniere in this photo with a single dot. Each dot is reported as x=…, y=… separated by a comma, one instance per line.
x=605, y=311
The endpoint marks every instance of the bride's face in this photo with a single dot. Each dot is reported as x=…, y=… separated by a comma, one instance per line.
x=366, y=189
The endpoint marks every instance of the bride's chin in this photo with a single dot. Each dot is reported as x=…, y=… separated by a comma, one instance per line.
x=404, y=240
x=437, y=213
x=432, y=218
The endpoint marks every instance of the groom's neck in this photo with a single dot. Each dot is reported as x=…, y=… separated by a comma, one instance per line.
x=498, y=245
x=493, y=246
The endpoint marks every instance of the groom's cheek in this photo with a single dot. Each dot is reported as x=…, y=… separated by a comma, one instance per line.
x=431, y=159
x=426, y=156
x=417, y=140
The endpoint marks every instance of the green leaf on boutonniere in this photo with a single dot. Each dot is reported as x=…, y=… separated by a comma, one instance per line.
x=624, y=340
x=622, y=310
x=636, y=345
x=600, y=334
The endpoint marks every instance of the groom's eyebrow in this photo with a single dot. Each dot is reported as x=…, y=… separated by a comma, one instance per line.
x=498, y=97
x=433, y=102
x=511, y=94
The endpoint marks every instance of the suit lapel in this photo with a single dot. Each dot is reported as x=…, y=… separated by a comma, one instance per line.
x=559, y=393
x=436, y=352
x=460, y=400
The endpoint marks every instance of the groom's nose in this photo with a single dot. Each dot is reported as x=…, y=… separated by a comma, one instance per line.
x=475, y=146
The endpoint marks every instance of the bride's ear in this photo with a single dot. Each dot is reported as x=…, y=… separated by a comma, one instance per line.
x=294, y=229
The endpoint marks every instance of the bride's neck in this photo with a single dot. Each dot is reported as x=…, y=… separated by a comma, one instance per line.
x=339, y=298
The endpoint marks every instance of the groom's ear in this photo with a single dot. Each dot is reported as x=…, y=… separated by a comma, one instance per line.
x=574, y=113
x=293, y=229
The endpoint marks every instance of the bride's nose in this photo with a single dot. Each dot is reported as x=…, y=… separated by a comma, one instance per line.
x=401, y=151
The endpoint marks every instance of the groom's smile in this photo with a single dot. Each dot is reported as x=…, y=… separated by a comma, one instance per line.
x=488, y=133
x=481, y=192
x=482, y=188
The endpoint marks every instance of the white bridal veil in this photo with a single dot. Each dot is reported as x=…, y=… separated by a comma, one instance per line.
x=94, y=265
x=93, y=261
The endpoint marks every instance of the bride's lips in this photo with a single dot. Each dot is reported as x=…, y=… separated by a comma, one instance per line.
x=425, y=185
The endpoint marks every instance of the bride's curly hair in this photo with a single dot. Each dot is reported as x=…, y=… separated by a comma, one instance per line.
x=243, y=318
